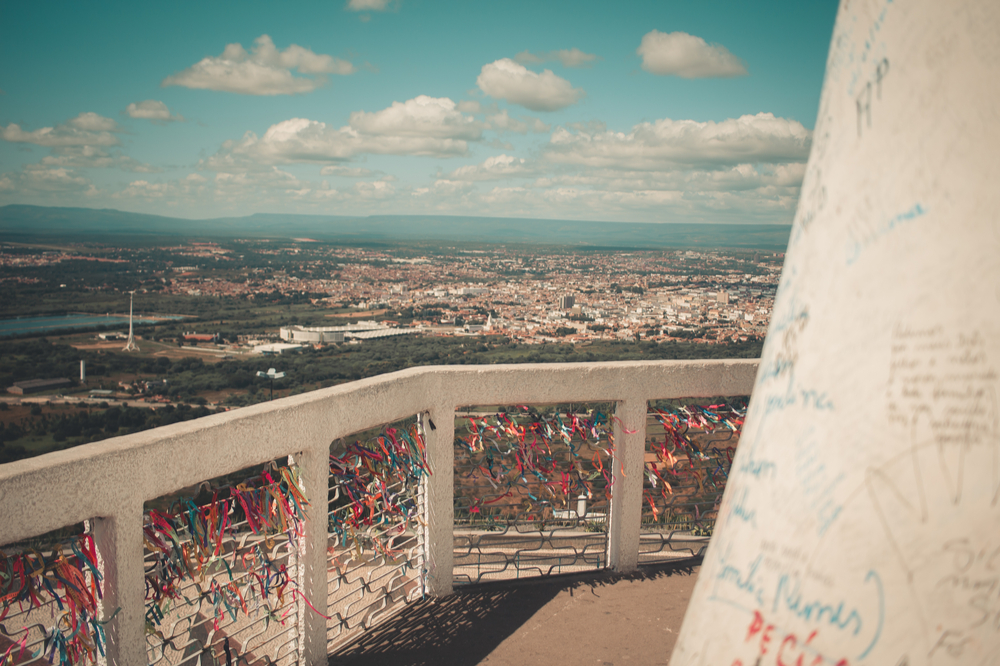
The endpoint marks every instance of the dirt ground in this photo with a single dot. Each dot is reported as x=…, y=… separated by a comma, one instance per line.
x=210, y=355
x=597, y=619
x=360, y=313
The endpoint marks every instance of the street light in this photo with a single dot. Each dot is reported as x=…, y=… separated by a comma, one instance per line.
x=273, y=376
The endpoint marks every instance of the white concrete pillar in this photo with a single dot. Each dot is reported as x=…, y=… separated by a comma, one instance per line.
x=626, y=492
x=314, y=473
x=860, y=522
x=439, y=437
x=119, y=547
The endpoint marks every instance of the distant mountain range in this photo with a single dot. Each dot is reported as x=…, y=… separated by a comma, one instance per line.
x=19, y=221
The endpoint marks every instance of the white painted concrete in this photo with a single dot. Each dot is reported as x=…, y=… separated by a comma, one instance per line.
x=861, y=518
x=110, y=480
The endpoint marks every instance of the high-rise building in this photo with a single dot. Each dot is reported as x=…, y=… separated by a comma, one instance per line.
x=566, y=302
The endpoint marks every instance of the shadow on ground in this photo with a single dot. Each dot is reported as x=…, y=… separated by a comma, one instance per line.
x=467, y=626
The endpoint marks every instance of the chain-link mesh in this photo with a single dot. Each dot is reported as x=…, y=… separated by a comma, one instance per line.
x=220, y=572
x=689, y=451
x=375, y=555
x=532, y=491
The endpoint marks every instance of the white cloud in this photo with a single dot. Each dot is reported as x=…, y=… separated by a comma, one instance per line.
x=493, y=168
x=422, y=116
x=568, y=57
x=784, y=179
x=146, y=190
x=374, y=189
x=536, y=125
x=345, y=172
x=590, y=126
x=444, y=187
x=94, y=157
x=80, y=142
x=87, y=129
x=265, y=71
x=92, y=122
x=504, y=122
x=507, y=80
x=255, y=184
x=35, y=178
x=367, y=5
x=56, y=178
x=151, y=110
x=172, y=192
x=470, y=106
x=667, y=143
x=422, y=126
x=687, y=56
x=303, y=140
x=592, y=198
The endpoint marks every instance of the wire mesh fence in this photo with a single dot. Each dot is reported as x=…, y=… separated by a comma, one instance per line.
x=532, y=491
x=220, y=570
x=688, y=455
x=50, y=589
x=375, y=554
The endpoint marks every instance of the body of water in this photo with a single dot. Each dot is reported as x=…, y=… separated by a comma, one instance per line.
x=28, y=325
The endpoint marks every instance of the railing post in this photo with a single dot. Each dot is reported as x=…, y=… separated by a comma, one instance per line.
x=626, y=491
x=119, y=547
x=314, y=471
x=439, y=541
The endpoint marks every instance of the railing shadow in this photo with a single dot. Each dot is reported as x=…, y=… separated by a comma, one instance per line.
x=465, y=627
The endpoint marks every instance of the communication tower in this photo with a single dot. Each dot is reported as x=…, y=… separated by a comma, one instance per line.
x=130, y=345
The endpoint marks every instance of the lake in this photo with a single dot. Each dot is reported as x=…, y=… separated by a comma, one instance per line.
x=28, y=325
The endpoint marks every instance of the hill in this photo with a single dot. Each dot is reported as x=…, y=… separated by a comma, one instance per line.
x=18, y=221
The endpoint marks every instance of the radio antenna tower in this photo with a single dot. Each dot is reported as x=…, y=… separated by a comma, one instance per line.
x=130, y=345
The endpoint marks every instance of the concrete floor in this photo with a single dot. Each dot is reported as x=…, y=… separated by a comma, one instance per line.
x=596, y=619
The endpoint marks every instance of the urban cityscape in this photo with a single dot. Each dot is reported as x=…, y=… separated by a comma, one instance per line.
x=531, y=296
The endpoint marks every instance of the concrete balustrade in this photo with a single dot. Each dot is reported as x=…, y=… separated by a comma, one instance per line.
x=109, y=481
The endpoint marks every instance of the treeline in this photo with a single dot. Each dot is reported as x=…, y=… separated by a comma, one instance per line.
x=311, y=369
x=38, y=358
x=314, y=368
x=87, y=425
x=333, y=365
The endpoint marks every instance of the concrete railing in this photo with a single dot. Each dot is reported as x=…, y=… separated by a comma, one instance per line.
x=108, y=482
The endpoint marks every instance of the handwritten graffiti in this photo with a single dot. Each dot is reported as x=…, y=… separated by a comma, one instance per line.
x=864, y=98
x=788, y=648
x=860, y=241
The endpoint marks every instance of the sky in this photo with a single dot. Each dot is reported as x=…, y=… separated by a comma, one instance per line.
x=619, y=111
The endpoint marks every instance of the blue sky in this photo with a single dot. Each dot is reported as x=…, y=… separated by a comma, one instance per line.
x=632, y=111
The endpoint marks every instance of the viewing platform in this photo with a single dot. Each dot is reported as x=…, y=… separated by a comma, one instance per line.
x=198, y=563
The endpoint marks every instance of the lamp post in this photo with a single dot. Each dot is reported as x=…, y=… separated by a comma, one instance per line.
x=272, y=375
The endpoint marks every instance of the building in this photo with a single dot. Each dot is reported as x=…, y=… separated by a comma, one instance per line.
x=566, y=302
x=315, y=335
x=201, y=338
x=35, y=386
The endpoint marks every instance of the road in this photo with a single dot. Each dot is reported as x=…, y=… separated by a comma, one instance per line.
x=93, y=401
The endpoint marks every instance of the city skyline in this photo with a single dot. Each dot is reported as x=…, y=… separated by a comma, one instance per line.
x=642, y=113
